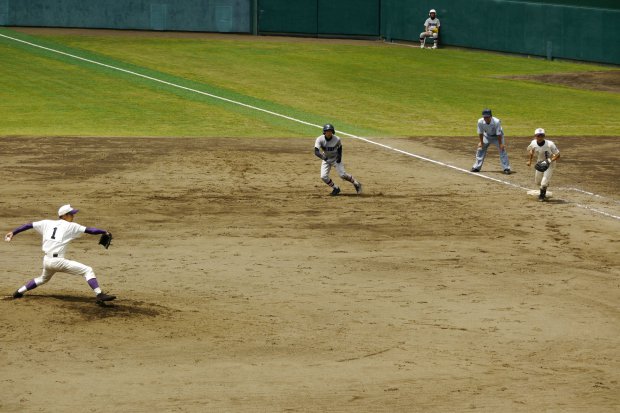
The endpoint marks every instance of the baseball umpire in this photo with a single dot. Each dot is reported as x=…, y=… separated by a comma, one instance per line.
x=328, y=148
x=57, y=234
x=490, y=132
x=546, y=154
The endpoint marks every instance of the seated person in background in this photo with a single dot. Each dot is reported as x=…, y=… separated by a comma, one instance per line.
x=431, y=28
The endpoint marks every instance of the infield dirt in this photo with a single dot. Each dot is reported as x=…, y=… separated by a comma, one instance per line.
x=242, y=286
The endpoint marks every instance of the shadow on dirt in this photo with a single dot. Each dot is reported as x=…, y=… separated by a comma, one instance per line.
x=89, y=308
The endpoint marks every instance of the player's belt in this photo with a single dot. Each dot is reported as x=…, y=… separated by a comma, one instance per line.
x=53, y=255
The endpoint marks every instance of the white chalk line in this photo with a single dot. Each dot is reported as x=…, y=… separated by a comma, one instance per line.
x=234, y=102
x=589, y=193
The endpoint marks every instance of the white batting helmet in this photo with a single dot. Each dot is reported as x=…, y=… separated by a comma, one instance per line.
x=432, y=11
x=539, y=131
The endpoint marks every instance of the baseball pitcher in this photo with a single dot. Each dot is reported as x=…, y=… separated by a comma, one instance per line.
x=546, y=154
x=329, y=149
x=431, y=29
x=57, y=234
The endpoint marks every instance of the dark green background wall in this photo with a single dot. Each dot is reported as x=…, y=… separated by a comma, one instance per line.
x=320, y=17
x=552, y=28
x=183, y=15
x=556, y=28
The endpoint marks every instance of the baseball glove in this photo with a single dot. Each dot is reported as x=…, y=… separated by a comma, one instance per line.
x=542, y=166
x=106, y=240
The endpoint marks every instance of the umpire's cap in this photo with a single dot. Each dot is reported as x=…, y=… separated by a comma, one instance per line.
x=329, y=126
x=487, y=112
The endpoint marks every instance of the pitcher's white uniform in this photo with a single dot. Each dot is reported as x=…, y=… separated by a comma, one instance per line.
x=544, y=152
x=57, y=234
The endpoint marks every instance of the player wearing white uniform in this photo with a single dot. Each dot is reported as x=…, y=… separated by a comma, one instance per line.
x=544, y=149
x=431, y=29
x=490, y=132
x=57, y=234
x=329, y=149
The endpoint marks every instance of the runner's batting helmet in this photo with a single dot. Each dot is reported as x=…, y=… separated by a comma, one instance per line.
x=329, y=126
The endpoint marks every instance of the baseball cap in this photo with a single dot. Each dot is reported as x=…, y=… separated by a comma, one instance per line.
x=487, y=112
x=67, y=209
x=539, y=131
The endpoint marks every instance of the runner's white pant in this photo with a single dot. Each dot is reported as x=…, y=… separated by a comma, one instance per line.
x=53, y=265
x=326, y=167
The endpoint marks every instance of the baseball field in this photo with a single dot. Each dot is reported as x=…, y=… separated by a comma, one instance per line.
x=243, y=286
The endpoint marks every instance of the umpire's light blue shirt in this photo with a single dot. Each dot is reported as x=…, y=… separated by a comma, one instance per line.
x=494, y=128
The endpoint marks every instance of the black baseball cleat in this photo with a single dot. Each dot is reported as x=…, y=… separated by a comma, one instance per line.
x=507, y=171
x=101, y=297
x=543, y=194
x=335, y=191
x=475, y=169
x=17, y=294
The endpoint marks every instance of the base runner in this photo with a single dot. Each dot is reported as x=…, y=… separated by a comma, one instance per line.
x=328, y=148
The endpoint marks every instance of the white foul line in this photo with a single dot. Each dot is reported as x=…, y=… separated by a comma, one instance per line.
x=161, y=81
x=285, y=117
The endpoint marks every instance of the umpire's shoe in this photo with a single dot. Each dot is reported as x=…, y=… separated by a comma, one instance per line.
x=335, y=191
x=101, y=297
x=17, y=294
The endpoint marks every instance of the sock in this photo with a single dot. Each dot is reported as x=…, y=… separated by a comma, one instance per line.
x=30, y=285
x=94, y=285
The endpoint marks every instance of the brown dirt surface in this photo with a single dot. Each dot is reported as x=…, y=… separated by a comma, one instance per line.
x=607, y=81
x=56, y=31
x=242, y=286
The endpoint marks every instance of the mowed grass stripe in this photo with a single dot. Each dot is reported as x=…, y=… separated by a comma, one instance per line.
x=65, y=78
x=57, y=99
x=364, y=88
x=368, y=91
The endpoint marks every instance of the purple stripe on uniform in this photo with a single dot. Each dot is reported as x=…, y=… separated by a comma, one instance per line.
x=31, y=285
x=22, y=228
x=93, y=283
x=94, y=231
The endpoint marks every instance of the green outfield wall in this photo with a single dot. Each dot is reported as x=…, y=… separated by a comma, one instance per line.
x=181, y=15
x=320, y=17
x=553, y=29
x=567, y=29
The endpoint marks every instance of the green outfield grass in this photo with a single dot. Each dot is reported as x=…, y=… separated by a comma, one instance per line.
x=369, y=90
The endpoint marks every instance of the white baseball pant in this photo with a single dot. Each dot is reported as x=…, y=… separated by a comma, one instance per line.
x=52, y=265
x=326, y=168
x=543, y=178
